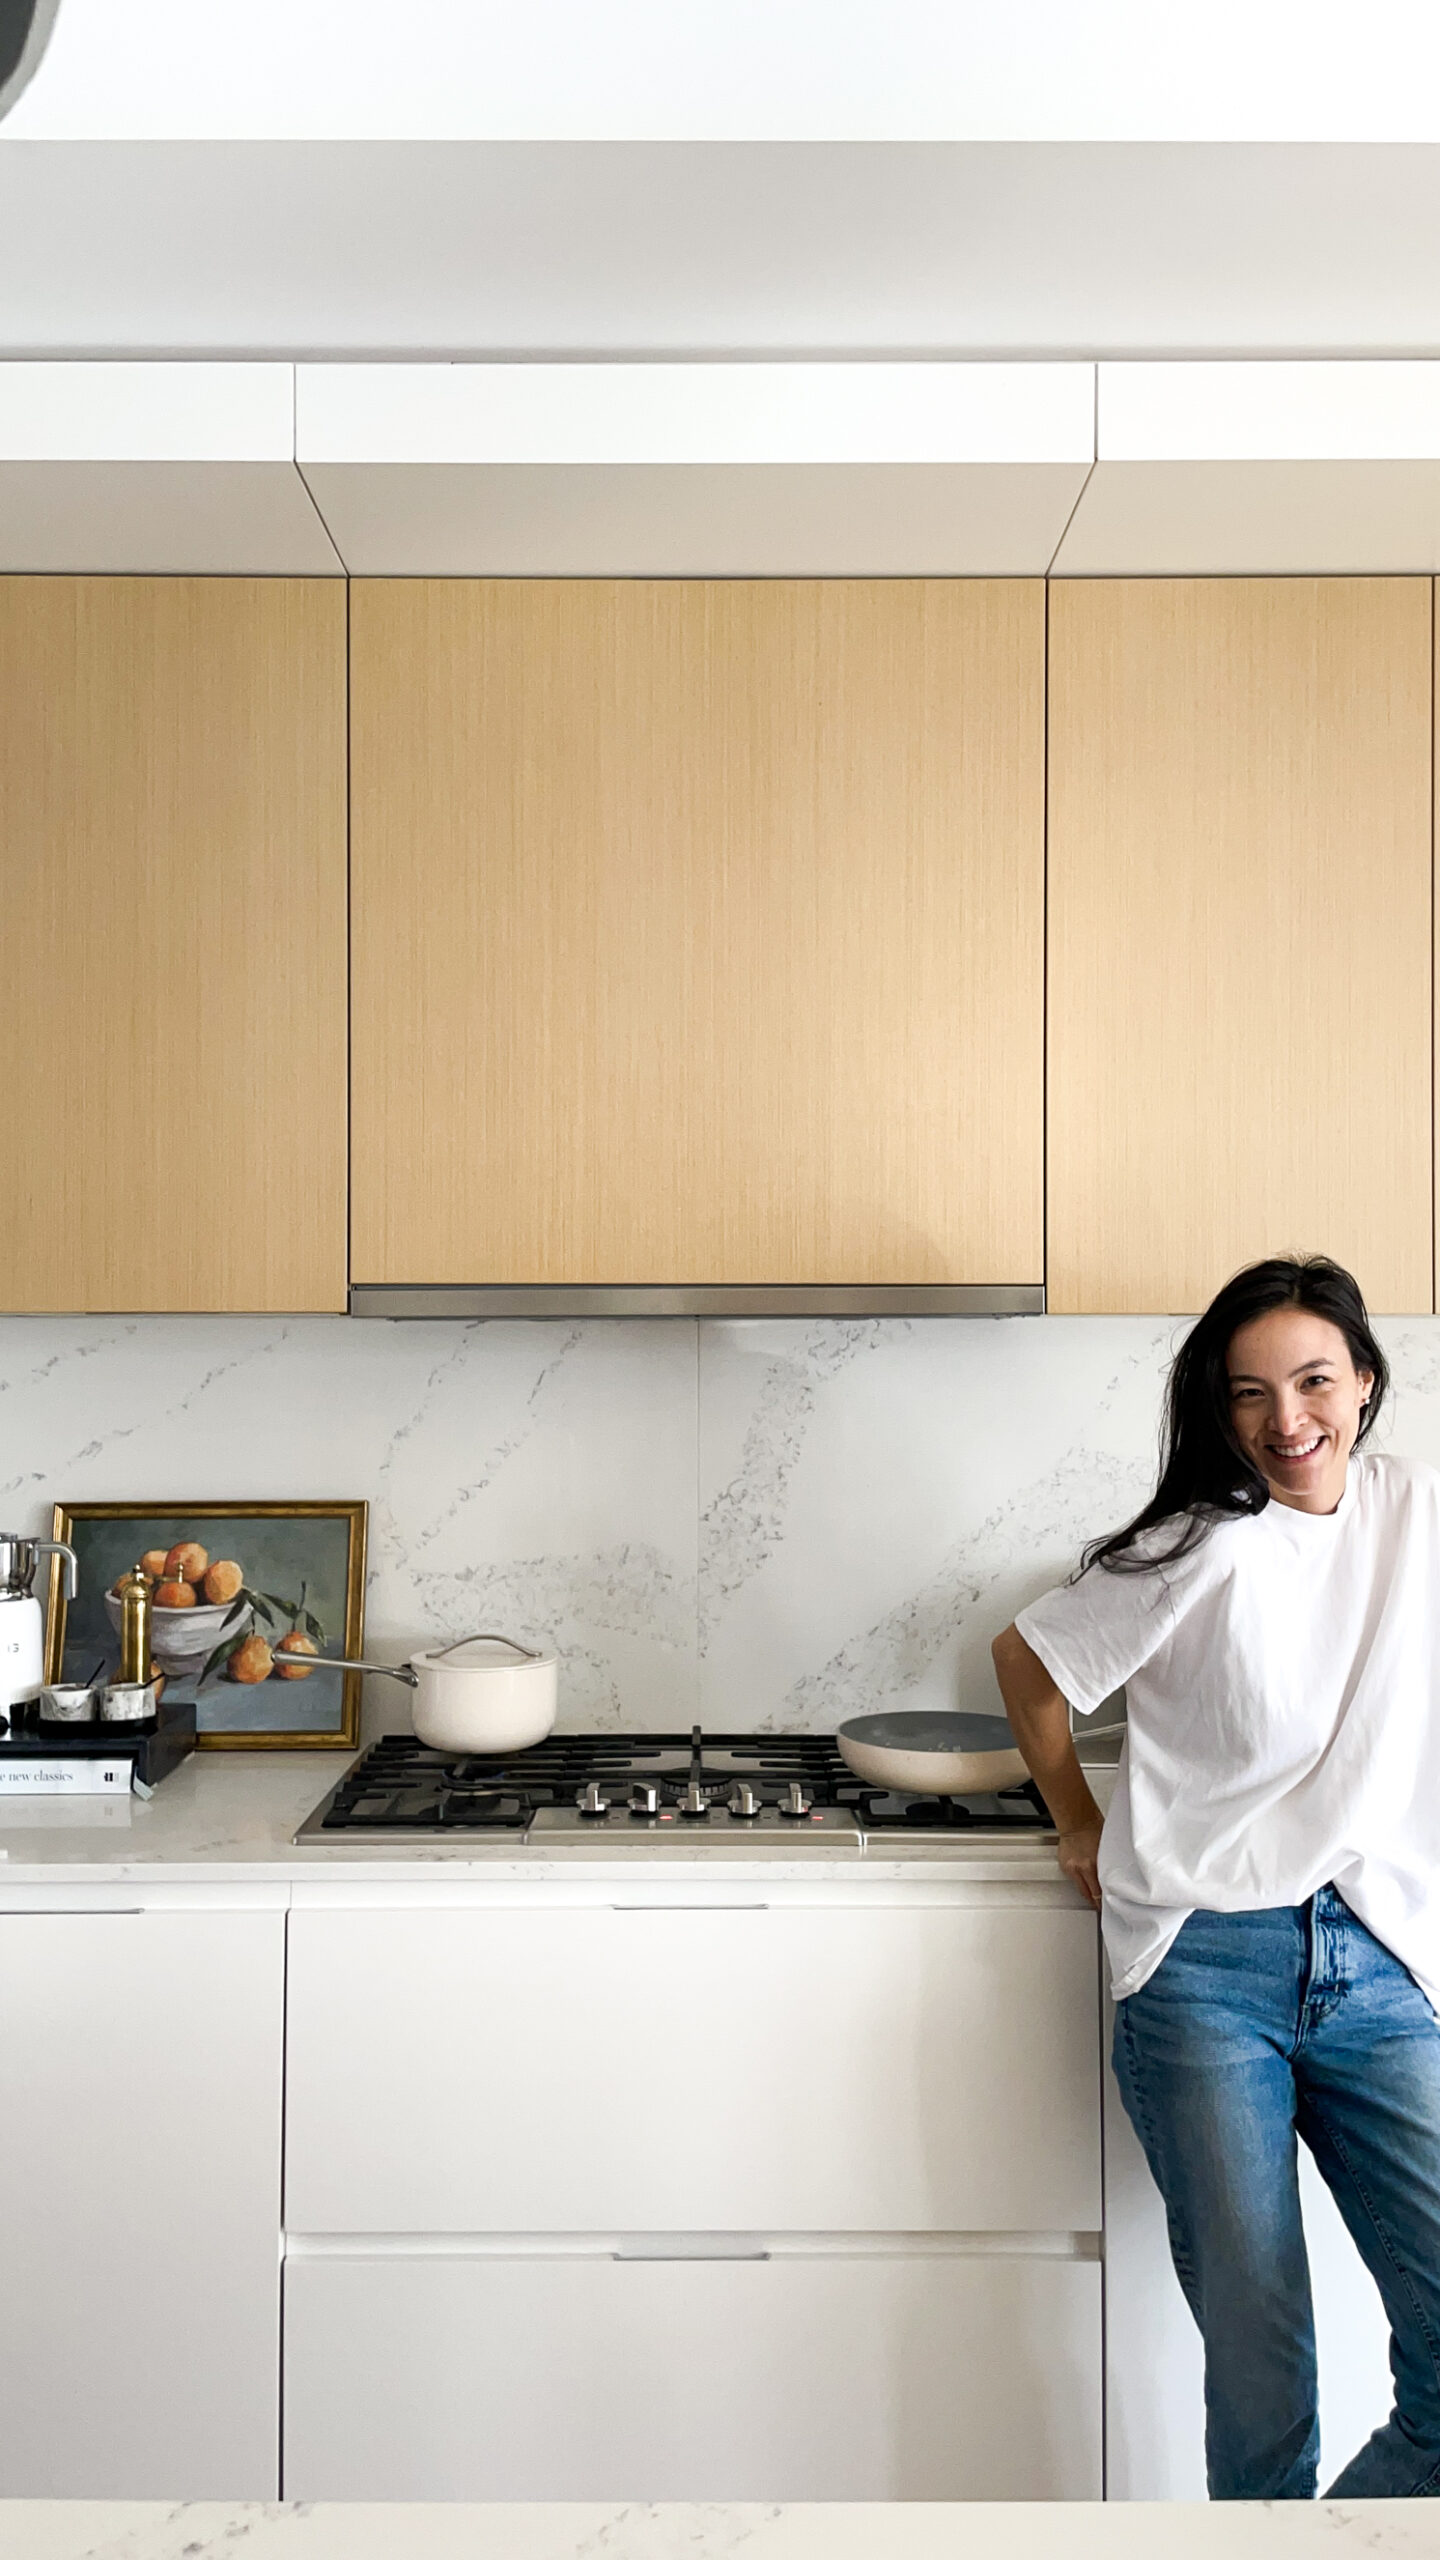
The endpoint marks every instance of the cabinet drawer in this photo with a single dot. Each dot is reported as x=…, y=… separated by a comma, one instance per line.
x=614, y=2071
x=800, y=2378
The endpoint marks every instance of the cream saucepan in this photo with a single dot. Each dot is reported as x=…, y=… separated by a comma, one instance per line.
x=499, y=1697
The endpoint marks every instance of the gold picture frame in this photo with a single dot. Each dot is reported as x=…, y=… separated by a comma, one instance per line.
x=323, y=1562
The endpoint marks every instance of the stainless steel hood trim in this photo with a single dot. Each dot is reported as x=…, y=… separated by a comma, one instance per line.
x=412, y=1299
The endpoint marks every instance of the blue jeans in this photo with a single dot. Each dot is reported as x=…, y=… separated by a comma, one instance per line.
x=1259, y=2025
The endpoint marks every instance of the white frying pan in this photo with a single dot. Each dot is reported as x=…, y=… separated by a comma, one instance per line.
x=929, y=1754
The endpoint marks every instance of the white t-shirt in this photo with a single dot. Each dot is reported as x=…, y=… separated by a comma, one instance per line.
x=1283, y=1691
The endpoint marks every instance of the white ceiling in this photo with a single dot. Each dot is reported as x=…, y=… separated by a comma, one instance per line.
x=589, y=249
x=1057, y=70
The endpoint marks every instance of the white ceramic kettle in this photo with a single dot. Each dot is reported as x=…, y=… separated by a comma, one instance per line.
x=22, y=1620
x=489, y=1703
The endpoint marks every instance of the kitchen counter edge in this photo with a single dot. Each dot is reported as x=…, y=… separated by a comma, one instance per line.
x=224, y=1819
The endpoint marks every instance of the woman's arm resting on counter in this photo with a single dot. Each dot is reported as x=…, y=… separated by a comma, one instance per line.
x=1040, y=1722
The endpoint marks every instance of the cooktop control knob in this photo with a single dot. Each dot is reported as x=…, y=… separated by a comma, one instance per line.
x=743, y=1802
x=644, y=1799
x=592, y=1802
x=795, y=1803
x=694, y=1804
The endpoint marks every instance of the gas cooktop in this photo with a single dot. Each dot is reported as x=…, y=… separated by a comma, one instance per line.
x=781, y=1791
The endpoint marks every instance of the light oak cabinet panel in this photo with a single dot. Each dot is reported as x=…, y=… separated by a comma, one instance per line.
x=1239, y=986
x=172, y=1046
x=697, y=931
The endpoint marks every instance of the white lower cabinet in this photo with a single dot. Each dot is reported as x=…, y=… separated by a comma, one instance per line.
x=140, y=2101
x=808, y=2376
x=869, y=2068
x=852, y=2154
x=591, y=2203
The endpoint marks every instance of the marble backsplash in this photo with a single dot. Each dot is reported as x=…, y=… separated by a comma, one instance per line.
x=766, y=1524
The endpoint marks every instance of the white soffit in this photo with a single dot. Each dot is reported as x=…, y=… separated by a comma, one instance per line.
x=694, y=413
x=1236, y=468
x=695, y=469
x=695, y=520
x=155, y=468
x=1385, y=412
x=146, y=412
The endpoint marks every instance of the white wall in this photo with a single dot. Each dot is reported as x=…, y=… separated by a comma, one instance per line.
x=763, y=1524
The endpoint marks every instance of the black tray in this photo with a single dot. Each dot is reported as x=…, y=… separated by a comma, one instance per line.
x=156, y=1747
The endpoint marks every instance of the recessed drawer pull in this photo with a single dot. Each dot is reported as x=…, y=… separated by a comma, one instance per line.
x=79, y=1911
x=679, y=2255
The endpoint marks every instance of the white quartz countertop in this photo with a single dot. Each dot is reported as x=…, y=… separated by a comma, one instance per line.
x=227, y=1816
x=66, y=2530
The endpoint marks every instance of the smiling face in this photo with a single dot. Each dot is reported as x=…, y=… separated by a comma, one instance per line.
x=1296, y=1402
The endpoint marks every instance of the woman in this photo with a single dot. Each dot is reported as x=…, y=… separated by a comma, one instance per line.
x=1269, y=1875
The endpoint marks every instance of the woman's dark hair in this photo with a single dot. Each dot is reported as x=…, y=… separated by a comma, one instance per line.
x=1205, y=1476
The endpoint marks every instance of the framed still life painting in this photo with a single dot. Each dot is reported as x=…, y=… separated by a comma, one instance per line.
x=245, y=1594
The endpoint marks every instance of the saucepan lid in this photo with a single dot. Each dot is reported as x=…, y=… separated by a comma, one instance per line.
x=484, y=1653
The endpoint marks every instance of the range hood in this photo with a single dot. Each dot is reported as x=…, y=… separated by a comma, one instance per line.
x=751, y=1299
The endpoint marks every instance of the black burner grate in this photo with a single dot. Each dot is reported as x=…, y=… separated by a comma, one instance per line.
x=399, y=1785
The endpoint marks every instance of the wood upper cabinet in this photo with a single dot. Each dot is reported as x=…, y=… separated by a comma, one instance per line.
x=172, y=1044
x=1240, y=961
x=697, y=931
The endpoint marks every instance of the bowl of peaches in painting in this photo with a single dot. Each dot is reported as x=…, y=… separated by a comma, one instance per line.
x=204, y=1613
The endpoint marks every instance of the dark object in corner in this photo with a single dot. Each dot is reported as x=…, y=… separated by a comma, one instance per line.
x=25, y=31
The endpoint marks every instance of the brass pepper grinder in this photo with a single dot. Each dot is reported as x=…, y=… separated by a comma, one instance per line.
x=136, y=1605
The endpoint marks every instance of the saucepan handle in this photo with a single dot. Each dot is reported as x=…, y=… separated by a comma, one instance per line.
x=342, y=1662
x=406, y=1671
x=487, y=1635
